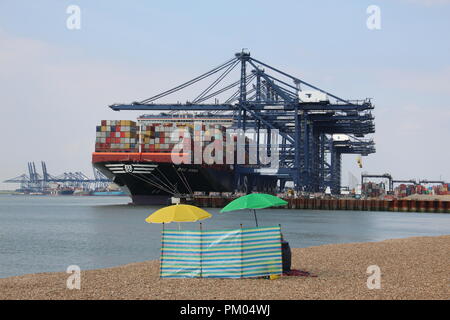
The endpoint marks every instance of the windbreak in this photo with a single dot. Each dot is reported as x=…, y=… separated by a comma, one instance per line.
x=240, y=253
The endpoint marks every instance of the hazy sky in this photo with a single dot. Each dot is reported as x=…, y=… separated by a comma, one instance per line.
x=56, y=83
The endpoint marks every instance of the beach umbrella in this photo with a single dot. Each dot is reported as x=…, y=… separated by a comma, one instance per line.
x=254, y=201
x=178, y=213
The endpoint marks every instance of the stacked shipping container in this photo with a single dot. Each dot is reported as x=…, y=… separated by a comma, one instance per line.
x=404, y=190
x=116, y=136
x=373, y=190
x=160, y=138
x=125, y=136
x=444, y=189
x=407, y=190
x=212, y=137
x=441, y=189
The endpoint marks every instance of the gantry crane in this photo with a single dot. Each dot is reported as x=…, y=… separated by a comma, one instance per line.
x=35, y=182
x=266, y=98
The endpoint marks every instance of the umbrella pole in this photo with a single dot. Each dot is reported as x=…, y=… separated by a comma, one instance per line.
x=201, y=253
x=256, y=219
x=162, y=252
x=242, y=255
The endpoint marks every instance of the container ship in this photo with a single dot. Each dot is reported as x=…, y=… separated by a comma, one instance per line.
x=138, y=157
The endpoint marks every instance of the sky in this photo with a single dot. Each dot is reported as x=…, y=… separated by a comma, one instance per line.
x=56, y=83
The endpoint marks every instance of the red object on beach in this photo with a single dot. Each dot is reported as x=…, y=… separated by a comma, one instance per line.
x=298, y=273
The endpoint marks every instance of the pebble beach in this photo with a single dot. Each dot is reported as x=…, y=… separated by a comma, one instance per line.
x=411, y=268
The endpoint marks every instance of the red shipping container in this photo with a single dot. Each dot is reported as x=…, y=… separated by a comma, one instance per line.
x=108, y=140
x=103, y=122
x=122, y=134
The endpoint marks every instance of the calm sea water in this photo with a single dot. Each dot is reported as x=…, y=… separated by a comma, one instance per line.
x=42, y=234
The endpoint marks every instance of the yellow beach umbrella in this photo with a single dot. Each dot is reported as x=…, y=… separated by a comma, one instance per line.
x=178, y=213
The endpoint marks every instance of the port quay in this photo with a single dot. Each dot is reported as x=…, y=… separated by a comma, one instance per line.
x=274, y=133
x=159, y=156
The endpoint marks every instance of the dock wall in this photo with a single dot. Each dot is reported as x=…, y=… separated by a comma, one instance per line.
x=396, y=205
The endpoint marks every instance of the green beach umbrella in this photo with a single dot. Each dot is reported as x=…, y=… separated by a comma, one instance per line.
x=254, y=201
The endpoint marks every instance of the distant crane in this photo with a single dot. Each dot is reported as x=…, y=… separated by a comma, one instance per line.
x=411, y=181
x=35, y=182
x=432, y=181
x=380, y=176
x=394, y=181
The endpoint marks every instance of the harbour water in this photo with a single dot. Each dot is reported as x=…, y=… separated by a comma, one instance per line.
x=46, y=234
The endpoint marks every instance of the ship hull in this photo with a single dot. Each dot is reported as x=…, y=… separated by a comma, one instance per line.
x=158, y=183
x=153, y=179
